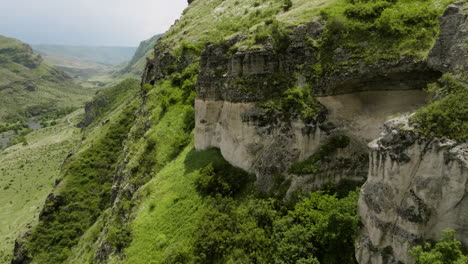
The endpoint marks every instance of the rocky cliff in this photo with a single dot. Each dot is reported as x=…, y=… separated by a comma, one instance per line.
x=417, y=185
x=449, y=53
x=416, y=188
x=234, y=87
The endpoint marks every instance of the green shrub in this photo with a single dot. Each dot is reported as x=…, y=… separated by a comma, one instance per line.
x=146, y=88
x=447, y=250
x=186, y=48
x=447, y=116
x=272, y=28
x=294, y=102
x=222, y=179
x=367, y=11
x=287, y=5
x=319, y=228
x=404, y=19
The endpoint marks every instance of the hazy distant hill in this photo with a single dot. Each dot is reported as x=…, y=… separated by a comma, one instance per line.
x=85, y=54
x=30, y=86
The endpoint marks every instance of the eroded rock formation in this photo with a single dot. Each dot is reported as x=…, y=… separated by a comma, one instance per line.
x=232, y=86
x=416, y=187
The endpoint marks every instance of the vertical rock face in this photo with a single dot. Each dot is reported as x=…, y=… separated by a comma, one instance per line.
x=416, y=187
x=229, y=87
x=249, y=141
x=450, y=51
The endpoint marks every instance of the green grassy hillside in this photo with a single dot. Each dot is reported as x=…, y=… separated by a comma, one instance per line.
x=27, y=175
x=30, y=87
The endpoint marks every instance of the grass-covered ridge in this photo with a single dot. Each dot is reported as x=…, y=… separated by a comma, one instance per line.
x=27, y=175
x=30, y=87
x=375, y=29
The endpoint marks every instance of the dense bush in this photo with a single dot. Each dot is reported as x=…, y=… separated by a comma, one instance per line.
x=222, y=179
x=447, y=115
x=294, y=102
x=320, y=228
x=446, y=251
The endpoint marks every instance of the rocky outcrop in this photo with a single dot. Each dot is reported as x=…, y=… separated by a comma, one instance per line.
x=416, y=187
x=449, y=53
x=20, y=251
x=235, y=80
x=251, y=142
x=92, y=110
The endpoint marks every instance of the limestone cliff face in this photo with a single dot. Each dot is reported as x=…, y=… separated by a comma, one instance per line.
x=416, y=187
x=232, y=85
x=250, y=142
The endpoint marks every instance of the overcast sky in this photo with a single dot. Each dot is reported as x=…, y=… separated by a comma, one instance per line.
x=87, y=22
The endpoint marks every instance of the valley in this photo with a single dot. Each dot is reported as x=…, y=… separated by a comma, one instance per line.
x=36, y=145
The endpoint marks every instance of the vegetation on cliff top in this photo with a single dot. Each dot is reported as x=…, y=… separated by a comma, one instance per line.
x=447, y=113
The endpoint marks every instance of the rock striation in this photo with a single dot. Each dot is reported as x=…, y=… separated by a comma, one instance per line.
x=416, y=188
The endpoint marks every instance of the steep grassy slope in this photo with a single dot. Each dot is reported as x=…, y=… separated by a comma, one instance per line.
x=27, y=175
x=28, y=86
x=86, y=181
